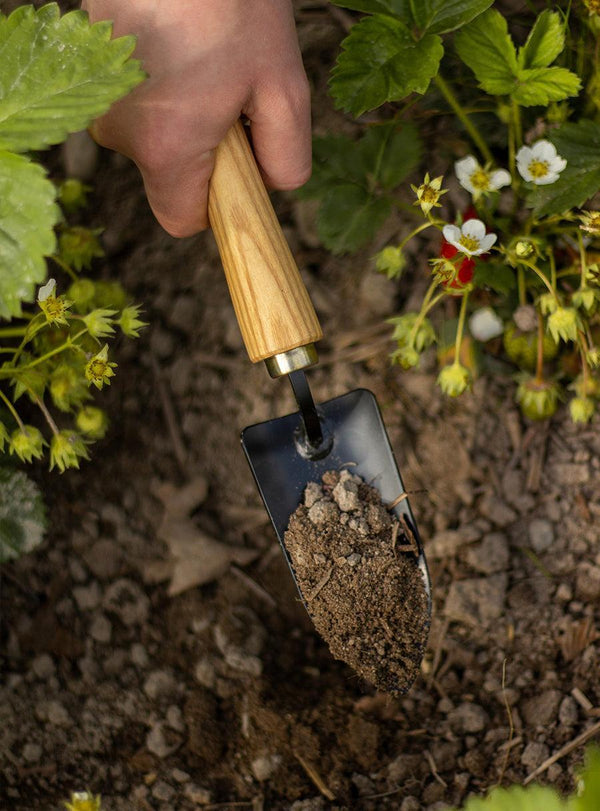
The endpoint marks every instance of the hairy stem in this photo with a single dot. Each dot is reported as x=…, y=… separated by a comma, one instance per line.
x=467, y=123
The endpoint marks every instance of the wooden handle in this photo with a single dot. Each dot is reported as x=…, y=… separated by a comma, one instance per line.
x=271, y=303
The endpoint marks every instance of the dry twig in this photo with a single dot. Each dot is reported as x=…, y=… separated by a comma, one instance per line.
x=315, y=777
x=576, y=742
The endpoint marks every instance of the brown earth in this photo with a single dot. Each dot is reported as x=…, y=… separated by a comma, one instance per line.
x=223, y=695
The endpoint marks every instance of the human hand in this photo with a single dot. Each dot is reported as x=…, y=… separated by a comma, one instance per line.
x=209, y=61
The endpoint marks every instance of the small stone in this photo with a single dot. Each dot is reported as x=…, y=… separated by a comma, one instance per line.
x=205, y=672
x=43, y=666
x=354, y=559
x=410, y=803
x=77, y=571
x=238, y=659
x=104, y=559
x=568, y=713
x=263, y=767
x=345, y=494
x=403, y=767
x=587, y=582
x=159, y=683
x=87, y=597
x=541, y=534
x=174, y=718
x=157, y=742
x=196, y=794
x=126, y=599
x=311, y=804
x=180, y=776
x=323, y=512
x=32, y=752
x=564, y=593
x=468, y=717
x=568, y=474
x=57, y=714
x=139, y=655
x=534, y=754
x=101, y=629
x=490, y=555
x=476, y=601
x=541, y=710
x=312, y=493
x=163, y=791
x=496, y=510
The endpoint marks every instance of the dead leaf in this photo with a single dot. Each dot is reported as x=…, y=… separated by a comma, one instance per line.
x=195, y=558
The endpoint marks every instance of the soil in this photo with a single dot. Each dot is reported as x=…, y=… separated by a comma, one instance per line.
x=160, y=691
x=359, y=575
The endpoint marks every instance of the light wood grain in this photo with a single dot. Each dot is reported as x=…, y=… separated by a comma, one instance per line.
x=273, y=309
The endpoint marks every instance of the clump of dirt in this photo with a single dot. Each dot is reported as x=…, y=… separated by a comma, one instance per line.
x=358, y=571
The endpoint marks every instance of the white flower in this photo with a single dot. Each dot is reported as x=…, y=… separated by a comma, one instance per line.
x=47, y=290
x=485, y=324
x=540, y=163
x=470, y=238
x=479, y=179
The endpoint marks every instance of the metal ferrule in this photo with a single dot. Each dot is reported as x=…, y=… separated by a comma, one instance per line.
x=292, y=361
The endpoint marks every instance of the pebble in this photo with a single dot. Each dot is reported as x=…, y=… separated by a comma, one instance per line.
x=139, y=655
x=244, y=662
x=57, y=714
x=87, y=597
x=568, y=714
x=345, y=493
x=180, y=776
x=104, y=559
x=127, y=600
x=159, y=683
x=410, y=803
x=323, y=512
x=564, y=593
x=490, y=555
x=205, y=672
x=196, y=794
x=157, y=743
x=587, y=582
x=403, y=767
x=163, y=791
x=43, y=666
x=541, y=710
x=541, y=534
x=476, y=601
x=496, y=510
x=32, y=752
x=468, y=717
x=534, y=754
x=313, y=492
x=174, y=718
x=101, y=629
x=265, y=766
x=448, y=542
x=568, y=473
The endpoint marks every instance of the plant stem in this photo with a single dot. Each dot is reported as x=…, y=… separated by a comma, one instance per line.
x=11, y=408
x=541, y=276
x=539, y=367
x=454, y=103
x=521, y=286
x=47, y=415
x=418, y=230
x=63, y=265
x=68, y=344
x=12, y=332
x=583, y=260
x=460, y=328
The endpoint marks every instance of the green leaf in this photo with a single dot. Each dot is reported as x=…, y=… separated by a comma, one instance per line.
x=426, y=16
x=352, y=179
x=485, y=46
x=349, y=216
x=545, y=42
x=22, y=513
x=28, y=214
x=540, y=86
x=589, y=799
x=517, y=798
x=495, y=275
x=579, y=144
x=58, y=73
x=380, y=61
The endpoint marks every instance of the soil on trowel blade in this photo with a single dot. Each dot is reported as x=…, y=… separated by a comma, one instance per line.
x=357, y=568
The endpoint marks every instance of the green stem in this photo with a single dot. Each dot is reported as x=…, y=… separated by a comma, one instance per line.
x=539, y=367
x=63, y=265
x=11, y=408
x=541, y=276
x=418, y=230
x=428, y=304
x=583, y=260
x=68, y=344
x=460, y=328
x=12, y=332
x=47, y=415
x=521, y=286
x=516, y=116
x=454, y=103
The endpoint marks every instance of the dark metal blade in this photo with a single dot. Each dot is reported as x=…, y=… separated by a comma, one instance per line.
x=354, y=436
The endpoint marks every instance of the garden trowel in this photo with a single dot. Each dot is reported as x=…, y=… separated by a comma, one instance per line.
x=279, y=326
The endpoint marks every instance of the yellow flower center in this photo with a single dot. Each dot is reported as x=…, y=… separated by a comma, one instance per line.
x=592, y=221
x=480, y=179
x=97, y=369
x=538, y=169
x=593, y=6
x=429, y=194
x=470, y=244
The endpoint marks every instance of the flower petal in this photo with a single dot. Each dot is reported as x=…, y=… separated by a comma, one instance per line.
x=487, y=242
x=524, y=155
x=451, y=234
x=500, y=178
x=465, y=167
x=47, y=290
x=474, y=229
x=557, y=164
x=544, y=151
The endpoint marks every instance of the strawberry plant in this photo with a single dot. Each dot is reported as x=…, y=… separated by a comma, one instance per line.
x=57, y=73
x=518, y=254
